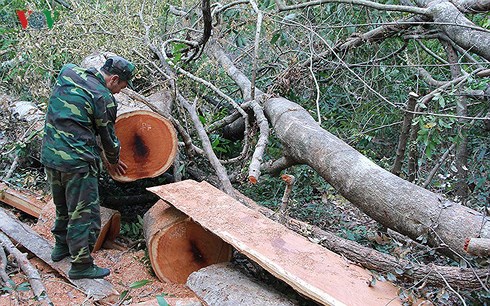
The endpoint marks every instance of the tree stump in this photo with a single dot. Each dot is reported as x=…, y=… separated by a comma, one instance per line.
x=148, y=144
x=178, y=246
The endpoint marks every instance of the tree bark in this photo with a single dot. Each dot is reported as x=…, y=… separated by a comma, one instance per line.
x=413, y=154
x=450, y=20
x=461, y=186
x=405, y=134
x=223, y=284
x=388, y=199
x=478, y=247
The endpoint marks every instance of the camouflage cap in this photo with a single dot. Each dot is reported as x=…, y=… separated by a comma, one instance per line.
x=120, y=66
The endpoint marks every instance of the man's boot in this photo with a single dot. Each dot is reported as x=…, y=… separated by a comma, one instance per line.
x=59, y=252
x=89, y=270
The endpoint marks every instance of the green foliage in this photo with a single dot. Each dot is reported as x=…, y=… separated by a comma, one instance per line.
x=11, y=286
x=133, y=230
x=124, y=296
x=433, y=132
x=161, y=300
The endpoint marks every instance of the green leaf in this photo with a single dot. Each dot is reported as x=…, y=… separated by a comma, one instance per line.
x=391, y=277
x=202, y=119
x=161, y=300
x=23, y=287
x=274, y=38
x=139, y=284
x=123, y=295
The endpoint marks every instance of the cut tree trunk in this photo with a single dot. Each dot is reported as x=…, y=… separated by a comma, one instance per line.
x=222, y=285
x=308, y=268
x=478, y=246
x=390, y=200
x=178, y=246
x=148, y=144
x=110, y=223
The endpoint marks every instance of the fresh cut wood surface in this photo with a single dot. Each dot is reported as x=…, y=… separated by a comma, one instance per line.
x=309, y=268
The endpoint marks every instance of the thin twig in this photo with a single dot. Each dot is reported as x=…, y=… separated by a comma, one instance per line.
x=256, y=47
x=451, y=288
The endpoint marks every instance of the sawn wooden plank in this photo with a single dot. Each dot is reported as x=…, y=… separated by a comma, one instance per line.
x=309, y=268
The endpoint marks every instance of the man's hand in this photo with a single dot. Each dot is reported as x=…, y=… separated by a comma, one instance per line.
x=119, y=168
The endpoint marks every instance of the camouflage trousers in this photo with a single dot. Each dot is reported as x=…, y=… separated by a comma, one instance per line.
x=77, y=224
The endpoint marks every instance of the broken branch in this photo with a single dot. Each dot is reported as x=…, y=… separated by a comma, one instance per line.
x=33, y=275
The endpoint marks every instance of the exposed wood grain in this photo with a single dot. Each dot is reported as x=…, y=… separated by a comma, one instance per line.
x=178, y=246
x=307, y=267
x=27, y=203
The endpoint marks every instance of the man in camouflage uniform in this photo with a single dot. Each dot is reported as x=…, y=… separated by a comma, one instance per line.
x=81, y=108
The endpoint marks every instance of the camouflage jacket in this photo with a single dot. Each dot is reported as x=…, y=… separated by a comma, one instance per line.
x=81, y=108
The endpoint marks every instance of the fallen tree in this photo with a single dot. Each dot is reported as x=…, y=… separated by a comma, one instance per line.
x=397, y=204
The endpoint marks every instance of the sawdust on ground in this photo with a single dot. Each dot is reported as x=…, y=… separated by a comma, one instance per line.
x=127, y=267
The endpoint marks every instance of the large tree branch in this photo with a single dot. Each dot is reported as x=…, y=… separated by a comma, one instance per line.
x=385, y=7
x=451, y=19
x=405, y=207
x=371, y=259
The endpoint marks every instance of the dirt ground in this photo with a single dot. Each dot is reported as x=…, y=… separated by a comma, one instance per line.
x=127, y=267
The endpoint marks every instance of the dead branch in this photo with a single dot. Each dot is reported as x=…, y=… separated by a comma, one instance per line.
x=478, y=247
x=289, y=180
x=398, y=8
x=4, y=278
x=31, y=272
x=220, y=93
x=206, y=143
x=428, y=78
x=254, y=168
x=436, y=167
x=256, y=47
x=404, y=135
x=275, y=167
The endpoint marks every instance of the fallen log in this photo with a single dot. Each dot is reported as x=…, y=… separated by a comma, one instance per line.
x=388, y=199
x=308, y=268
x=98, y=289
x=478, y=247
x=178, y=246
x=462, y=278
x=148, y=144
x=222, y=285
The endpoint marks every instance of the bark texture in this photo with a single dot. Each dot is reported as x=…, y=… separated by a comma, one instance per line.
x=222, y=285
x=390, y=200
